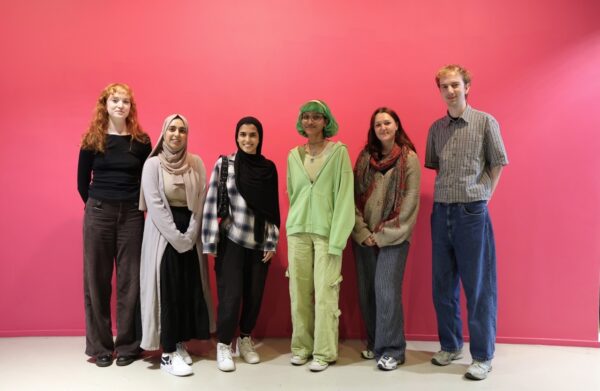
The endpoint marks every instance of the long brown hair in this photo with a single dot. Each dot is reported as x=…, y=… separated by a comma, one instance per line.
x=374, y=145
x=95, y=137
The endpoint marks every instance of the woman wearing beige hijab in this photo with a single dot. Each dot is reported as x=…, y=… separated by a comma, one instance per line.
x=175, y=294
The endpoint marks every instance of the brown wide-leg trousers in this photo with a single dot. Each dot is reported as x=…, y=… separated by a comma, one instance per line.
x=112, y=236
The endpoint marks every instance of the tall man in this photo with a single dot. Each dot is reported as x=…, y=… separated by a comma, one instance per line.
x=466, y=150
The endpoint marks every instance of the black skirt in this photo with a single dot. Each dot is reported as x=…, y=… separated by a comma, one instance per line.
x=184, y=315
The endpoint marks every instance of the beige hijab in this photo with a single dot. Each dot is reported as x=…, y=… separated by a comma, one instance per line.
x=178, y=164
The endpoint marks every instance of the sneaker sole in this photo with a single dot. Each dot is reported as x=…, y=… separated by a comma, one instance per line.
x=299, y=363
x=175, y=373
x=472, y=377
x=443, y=364
x=384, y=368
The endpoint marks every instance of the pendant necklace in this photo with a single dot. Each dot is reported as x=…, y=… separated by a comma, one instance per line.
x=313, y=156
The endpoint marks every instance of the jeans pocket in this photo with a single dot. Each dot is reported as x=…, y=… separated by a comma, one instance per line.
x=95, y=204
x=476, y=208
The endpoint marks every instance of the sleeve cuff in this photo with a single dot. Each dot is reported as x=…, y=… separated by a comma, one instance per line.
x=335, y=250
x=270, y=246
x=361, y=236
x=209, y=248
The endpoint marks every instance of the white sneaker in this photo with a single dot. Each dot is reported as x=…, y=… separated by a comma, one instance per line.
x=318, y=365
x=298, y=360
x=443, y=358
x=183, y=353
x=387, y=363
x=174, y=364
x=367, y=354
x=245, y=348
x=224, y=359
x=478, y=370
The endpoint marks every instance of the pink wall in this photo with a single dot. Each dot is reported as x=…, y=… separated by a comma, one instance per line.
x=535, y=67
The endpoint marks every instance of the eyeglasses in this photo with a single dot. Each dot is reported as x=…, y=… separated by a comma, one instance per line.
x=314, y=116
x=181, y=129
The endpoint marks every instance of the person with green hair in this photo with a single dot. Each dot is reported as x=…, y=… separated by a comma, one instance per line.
x=320, y=188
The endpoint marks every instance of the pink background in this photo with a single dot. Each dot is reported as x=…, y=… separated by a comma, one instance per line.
x=535, y=67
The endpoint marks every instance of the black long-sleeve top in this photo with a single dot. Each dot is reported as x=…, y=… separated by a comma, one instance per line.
x=115, y=174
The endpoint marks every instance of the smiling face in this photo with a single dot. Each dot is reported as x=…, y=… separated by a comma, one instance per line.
x=176, y=135
x=385, y=129
x=118, y=105
x=313, y=123
x=454, y=90
x=248, y=138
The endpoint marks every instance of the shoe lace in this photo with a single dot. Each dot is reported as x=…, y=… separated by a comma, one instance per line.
x=247, y=345
x=480, y=365
x=225, y=351
x=444, y=355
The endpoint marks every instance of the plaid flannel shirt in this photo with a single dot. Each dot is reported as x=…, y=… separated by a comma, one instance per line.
x=239, y=225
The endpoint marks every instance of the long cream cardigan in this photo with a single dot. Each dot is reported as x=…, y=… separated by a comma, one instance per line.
x=159, y=230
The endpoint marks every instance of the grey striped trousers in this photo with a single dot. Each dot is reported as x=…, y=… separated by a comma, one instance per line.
x=380, y=272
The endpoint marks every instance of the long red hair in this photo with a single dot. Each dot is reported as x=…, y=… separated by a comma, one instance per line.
x=95, y=137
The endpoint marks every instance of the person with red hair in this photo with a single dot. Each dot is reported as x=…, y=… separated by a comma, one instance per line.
x=112, y=154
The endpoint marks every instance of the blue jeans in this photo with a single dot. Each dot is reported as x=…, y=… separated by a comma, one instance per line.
x=463, y=247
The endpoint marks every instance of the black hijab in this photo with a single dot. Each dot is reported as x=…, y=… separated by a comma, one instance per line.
x=256, y=180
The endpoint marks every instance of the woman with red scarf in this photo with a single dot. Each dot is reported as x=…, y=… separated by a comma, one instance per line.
x=386, y=181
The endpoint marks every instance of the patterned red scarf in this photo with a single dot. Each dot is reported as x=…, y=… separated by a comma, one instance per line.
x=364, y=184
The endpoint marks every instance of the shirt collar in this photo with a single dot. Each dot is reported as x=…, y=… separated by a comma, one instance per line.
x=465, y=116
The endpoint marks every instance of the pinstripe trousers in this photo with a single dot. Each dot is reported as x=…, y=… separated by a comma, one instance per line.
x=380, y=273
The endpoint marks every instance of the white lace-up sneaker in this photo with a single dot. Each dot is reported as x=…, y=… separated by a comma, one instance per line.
x=298, y=360
x=387, y=363
x=183, y=353
x=224, y=359
x=367, y=354
x=478, y=370
x=318, y=365
x=174, y=364
x=443, y=358
x=245, y=347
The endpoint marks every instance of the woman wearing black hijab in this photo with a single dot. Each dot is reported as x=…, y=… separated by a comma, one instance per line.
x=241, y=229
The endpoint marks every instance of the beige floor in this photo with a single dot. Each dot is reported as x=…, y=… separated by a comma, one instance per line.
x=58, y=363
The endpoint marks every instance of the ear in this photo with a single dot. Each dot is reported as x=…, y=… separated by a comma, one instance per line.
x=467, y=88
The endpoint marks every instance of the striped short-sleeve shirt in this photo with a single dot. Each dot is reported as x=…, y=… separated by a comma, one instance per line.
x=464, y=150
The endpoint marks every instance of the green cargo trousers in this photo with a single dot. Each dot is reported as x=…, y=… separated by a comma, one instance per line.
x=315, y=277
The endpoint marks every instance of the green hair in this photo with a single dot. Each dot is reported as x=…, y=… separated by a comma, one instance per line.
x=318, y=106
